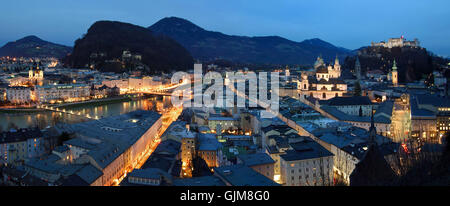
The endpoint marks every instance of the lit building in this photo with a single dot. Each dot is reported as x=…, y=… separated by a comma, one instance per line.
x=307, y=163
x=224, y=123
x=433, y=106
x=19, y=95
x=100, y=152
x=356, y=105
x=443, y=120
x=260, y=162
x=16, y=81
x=133, y=84
x=35, y=75
x=188, y=153
x=423, y=122
x=324, y=84
x=397, y=42
x=60, y=92
x=349, y=146
x=205, y=146
x=394, y=74
x=209, y=149
x=18, y=145
x=350, y=114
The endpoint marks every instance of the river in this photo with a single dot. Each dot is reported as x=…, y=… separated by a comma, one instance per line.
x=49, y=118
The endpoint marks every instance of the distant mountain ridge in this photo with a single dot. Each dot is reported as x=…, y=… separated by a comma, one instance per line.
x=33, y=46
x=209, y=45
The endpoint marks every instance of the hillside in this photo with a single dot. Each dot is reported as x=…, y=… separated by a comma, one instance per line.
x=208, y=45
x=103, y=45
x=413, y=63
x=32, y=46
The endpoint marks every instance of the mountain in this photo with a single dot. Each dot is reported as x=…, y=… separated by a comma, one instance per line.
x=33, y=46
x=105, y=42
x=209, y=45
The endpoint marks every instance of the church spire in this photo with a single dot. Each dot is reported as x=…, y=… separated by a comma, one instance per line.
x=372, y=130
x=358, y=69
x=394, y=67
x=336, y=61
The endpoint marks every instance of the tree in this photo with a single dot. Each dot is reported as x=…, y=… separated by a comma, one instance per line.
x=40, y=122
x=12, y=125
x=63, y=137
x=56, y=119
x=357, y=90
x=200, y=168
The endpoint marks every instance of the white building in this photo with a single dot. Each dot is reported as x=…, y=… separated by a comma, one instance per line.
x=59, y=92
x=324, y=84
x=133, y=84
x=439, y=79
x=19, y=95
x=306, y=164
x=356, y=105
x=397, y=42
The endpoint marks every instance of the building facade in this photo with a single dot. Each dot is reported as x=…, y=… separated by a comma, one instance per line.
x=18, y=145
x=324, y=84
x=306, y=164
x=19, y=95
x=65, y=93
x=397, y=42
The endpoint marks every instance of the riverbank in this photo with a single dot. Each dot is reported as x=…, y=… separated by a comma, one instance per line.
x=21, y=110
x=94, y=102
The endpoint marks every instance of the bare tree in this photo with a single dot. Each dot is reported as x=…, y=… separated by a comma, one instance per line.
x=12, y=125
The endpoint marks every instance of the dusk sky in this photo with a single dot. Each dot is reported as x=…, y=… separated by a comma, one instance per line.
x=347, y=23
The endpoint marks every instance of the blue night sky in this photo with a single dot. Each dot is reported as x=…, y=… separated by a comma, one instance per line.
x=346, y=23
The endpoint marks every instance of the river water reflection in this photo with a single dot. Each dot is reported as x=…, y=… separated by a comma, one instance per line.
x=49, y=118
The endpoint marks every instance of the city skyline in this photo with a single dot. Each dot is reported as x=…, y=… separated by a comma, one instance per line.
x=207, y=93
x=334, y=22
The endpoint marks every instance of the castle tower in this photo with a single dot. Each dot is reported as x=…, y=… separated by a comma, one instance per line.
x=394, y=74
x=358, y=69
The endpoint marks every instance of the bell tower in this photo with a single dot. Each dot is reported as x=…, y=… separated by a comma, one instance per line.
x=358, y=69
x=394, y=74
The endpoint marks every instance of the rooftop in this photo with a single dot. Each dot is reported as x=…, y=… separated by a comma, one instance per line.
x=208, y=142
x=256, y=159
x=344, y=101
x=306, y=149
x=19, y=135
x=199, y=181
x=241, y=175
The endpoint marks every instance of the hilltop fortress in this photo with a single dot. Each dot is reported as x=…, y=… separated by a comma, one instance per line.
x=397, y=42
